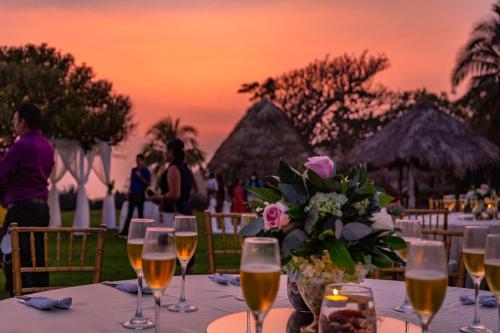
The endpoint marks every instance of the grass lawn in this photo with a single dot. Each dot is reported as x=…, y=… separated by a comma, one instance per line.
x=116, y=265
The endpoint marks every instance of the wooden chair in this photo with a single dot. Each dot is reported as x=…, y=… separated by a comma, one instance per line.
x=436, y=203
x=456, y=269
x=429, y=218
x=231, y=242
x=60, y=265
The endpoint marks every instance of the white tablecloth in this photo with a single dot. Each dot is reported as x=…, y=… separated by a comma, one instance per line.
x=98, y=308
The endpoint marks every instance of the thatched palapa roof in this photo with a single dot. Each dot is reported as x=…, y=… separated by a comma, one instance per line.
x=428, y=139
x=258, y=142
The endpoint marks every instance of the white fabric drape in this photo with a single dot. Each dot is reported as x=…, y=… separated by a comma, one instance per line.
x=79, y=165
x=58, y=172
x=102, y=168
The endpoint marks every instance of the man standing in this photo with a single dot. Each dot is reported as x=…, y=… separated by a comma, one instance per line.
x=24, y=172
x=139, y=182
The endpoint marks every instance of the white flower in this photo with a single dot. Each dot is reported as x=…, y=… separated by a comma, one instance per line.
x=382, y=220
x=327, y=204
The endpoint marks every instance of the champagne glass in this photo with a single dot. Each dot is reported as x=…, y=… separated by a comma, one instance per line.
x=246, y=218
x=186, y=238
x=449, y=202
x=492, y=267
x=473, y=203
x=463, y=201
x=260, y=276
x=135, y=242
x=426, y=279
x=473, y=253
x=158, y=262
x=411, y=231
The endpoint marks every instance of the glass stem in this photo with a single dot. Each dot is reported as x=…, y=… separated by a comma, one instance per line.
x=182, y=299
x=406, y=301
x=157, y=313
x=249, y=330
x=138, y=311
x=258, y=327
x=425, y=328
x=477, y=284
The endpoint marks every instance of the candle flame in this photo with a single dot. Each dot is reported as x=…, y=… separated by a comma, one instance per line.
x=335, y=292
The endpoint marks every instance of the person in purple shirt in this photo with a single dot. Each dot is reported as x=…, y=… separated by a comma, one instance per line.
x=24, y=172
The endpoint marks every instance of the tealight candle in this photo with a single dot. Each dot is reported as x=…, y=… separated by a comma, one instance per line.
x=336, y=297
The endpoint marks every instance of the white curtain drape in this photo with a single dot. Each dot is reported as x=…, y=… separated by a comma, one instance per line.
x=79, y=165
x=58, y=172
x=102, y=168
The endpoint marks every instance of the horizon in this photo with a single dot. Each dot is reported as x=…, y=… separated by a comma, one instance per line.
x=187, y=60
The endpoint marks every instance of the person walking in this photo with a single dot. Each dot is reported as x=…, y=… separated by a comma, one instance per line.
x=24, y=172
x=140, y=179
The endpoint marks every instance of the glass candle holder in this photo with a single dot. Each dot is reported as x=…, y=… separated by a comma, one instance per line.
x=347, y=308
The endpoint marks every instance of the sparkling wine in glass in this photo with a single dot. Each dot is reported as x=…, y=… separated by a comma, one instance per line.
x=186, y=238
x=473, y=248
x=492, y=267
x=426, y=279
x=260, y=276
x=463, y=202
x=135, y=242
x=158, y=262
x=411, y=231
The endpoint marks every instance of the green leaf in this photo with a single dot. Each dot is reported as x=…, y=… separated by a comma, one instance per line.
x=395, y=243
x=340, y=256
x=296, y=212
x=384, y=199
x=293, y=240
x=355, y=231
x=327, y=233
x=293, y=193
x=316, y=182
x=379, y=259
x=265, y=194
x=287, y=174
x=252, y=228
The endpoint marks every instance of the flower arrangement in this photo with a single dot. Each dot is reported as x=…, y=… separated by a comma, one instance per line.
x=327, y=223
x=483, y=202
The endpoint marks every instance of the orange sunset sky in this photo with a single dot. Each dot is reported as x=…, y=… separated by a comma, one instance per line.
x=187, y=58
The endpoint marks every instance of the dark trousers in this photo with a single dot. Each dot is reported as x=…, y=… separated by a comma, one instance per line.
x=135, y=200
x=27, y=215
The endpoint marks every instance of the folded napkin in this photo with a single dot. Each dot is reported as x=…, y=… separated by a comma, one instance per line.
x=484, y=300
x=128, y=287
x=45, y=303
x=225, y=279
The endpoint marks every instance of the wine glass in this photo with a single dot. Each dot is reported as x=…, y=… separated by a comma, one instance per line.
x=426, y=279
x=473, y=248
x=492, y=267
x=246, y=218
x=449, y=202
x=411, y=231
x=463, y=201
x=186, y=238
x=135, y=241
x=158, y=262
x=260, y=276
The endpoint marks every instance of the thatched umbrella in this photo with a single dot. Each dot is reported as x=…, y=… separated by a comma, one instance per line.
x=427, y=139
x=258, y=142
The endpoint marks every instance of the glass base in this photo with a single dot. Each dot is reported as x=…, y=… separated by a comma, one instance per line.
x=475, y=329
x=404, y=308
x=182, y=307
x=138, y=324
x=240, y=298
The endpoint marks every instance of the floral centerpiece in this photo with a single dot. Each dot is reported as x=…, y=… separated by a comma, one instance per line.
x=331, y=227
x=483, y=202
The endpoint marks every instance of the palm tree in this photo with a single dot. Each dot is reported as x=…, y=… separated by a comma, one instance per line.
x=161, y=133
x=480, y=58
x=479, y=63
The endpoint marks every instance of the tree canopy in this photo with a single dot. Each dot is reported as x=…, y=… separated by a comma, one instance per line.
x=74, y=104
x=329, y=101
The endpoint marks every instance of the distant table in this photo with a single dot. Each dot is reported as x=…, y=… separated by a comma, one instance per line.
x=98, y=308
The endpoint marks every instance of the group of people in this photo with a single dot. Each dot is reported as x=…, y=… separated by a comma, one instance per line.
x=236, y=194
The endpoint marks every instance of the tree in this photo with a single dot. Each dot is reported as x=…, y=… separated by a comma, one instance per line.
x=161, y=133
x=74, y=104
x=479, y=63
x=330, y=101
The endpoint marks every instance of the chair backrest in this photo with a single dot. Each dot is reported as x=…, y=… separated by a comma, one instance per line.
x=57, y=264
x=456, y=268
x=228, y=243
x=436, y=203
x=429, y=218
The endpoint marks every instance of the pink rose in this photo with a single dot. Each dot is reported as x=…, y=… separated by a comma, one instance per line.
x=275, y=216
x=322, y=165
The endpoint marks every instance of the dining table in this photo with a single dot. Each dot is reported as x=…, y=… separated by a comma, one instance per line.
x=102, y=308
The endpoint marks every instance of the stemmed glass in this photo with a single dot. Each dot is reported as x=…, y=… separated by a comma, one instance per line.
x=492, y=267
x=260, y=276
x=158, y=262
x=411, y=231
x=186, y=238
x=135, y=241
x=473, y=253
x=246, y=218
x=426, y=279
x=463, y=201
